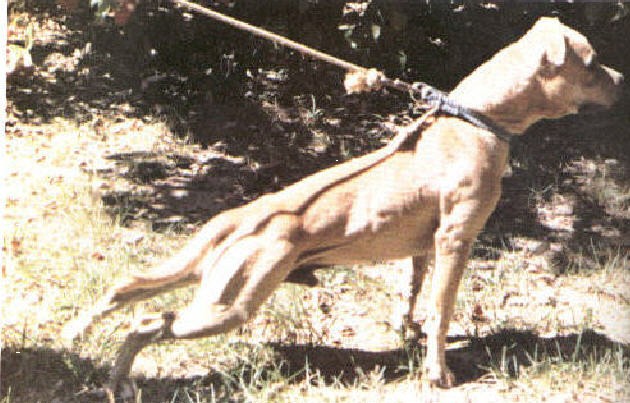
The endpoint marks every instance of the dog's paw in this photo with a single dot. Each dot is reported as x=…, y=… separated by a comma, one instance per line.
x=438, y=377
x=411, y=331
x=76, y=328
x=124, y=390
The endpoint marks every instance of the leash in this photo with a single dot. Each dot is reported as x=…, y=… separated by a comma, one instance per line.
x=419, y=91
x=314, y=53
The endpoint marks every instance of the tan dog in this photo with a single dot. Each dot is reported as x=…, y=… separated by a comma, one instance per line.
x=426, y=195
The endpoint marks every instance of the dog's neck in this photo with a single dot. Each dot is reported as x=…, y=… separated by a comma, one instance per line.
x=506, y=89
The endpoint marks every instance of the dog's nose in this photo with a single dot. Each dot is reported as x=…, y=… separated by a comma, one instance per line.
x=614, y=88
x=616, y=76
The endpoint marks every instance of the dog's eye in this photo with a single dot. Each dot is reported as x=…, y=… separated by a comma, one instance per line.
x=590, y=81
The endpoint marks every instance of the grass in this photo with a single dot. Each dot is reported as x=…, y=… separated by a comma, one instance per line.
x=588, y=373
x=533, y=331
x=55, y=210
x=63, y=249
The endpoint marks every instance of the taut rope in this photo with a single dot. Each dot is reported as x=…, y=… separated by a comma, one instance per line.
x=306, y=50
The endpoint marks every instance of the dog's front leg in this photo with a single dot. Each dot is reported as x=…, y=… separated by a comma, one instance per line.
x=412, y=329
x=459, y=224
x=449, y=265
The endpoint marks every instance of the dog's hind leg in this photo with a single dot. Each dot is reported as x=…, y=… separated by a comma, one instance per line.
x=180, y=270
x=229, y=294
x=136, y=288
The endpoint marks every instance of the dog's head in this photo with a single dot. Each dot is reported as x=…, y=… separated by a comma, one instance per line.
x=550, y=72
x=570, y=74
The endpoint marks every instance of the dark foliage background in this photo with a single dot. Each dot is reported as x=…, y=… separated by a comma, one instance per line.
x=222, y=87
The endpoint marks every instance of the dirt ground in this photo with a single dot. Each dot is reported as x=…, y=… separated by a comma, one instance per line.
x=101, y=181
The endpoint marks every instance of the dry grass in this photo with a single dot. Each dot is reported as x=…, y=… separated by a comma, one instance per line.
x=524, y=329
x=62, y=250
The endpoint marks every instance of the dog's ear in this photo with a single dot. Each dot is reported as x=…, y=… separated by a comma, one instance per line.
x=554, y=54
x=556, y=51
x=549, y=36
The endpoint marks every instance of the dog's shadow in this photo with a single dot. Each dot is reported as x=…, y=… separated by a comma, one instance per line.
x=501, y=353
x=68, y=377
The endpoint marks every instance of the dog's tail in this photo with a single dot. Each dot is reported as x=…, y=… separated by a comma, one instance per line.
x=180, y=270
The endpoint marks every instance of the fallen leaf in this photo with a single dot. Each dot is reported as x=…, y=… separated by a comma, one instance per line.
x=478, y=314
x=98, y=256
x=348, y=332
x=16, y=246
x=477, y=286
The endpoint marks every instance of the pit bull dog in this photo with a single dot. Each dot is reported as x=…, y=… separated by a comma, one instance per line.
x=425, y=195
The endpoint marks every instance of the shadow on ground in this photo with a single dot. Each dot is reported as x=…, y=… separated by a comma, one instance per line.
x=192, y=74
x=468, y=364
x=36, y=374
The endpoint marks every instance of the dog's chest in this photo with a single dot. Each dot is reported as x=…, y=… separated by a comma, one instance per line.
x=397, y=234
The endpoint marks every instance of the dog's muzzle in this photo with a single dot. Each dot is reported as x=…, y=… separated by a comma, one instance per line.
x=616, y=80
